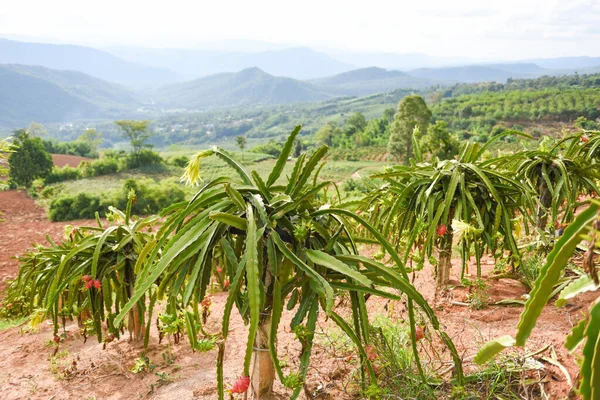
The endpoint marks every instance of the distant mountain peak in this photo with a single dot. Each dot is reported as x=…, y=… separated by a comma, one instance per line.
x=253, y=71
x=249, y=86
x=370, y=80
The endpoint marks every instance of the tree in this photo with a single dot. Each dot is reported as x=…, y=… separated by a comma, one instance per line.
x=325, y=135
x=374, y=133
x=412, y=112
x=297, y=148
x=35, y=129
x=355, y=124
x=29, y=161
x=439, y=142
x=388, y=114
x=92, y=138
x=241, y=143
x=137, y=132
x=5, y=149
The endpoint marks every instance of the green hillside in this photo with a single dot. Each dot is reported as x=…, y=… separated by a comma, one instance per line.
x=251, y=86
x=366, y=81
x=267, y=121
x=485, y=110
x=480, y=107
x=30, y=93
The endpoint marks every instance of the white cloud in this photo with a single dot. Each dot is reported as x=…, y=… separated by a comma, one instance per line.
x=469, y=28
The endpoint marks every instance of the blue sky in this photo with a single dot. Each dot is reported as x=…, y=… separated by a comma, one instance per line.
x=478, y=29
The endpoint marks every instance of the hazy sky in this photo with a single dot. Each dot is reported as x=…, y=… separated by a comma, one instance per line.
x=482, y=29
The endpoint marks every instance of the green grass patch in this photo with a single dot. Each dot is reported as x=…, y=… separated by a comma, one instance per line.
x=12, y=322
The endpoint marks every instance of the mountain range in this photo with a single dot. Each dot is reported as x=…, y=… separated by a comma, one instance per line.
x=295, y=62
x=97, y=63
x=54, y=83
x=146, y=67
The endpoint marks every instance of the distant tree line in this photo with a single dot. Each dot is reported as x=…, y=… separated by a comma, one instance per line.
x=545, y=82
x=482, y=111
x=394, y=130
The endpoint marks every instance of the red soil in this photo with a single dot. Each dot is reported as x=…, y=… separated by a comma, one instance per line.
x=60, y=160
x=26, y=224
x=26, y=372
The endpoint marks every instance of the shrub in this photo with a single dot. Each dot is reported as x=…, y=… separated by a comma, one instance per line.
x=114, y=154
x=180, y=161
x=65, y=173
x=360, y=185
x=104, y=166
x=151, y=198
x=80, y=206
x=50, y=191
x=142, y=159
x=586, y=124
x=273, y=148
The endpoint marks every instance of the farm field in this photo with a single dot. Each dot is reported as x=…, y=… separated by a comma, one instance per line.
x=30, y=371
x=336, y=171
x=281, y=201
x=380, y=255
x=61, y=160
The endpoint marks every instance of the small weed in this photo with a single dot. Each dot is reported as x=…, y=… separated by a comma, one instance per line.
x=142, y=364
x=337, y=339
x=374, y=392
x=392, y=346
x=284, y=363
x=168, y=357
x=530, y=268
x=505, y=379
x=59, y=367
x=204, y=345
x=61, y=354
x=33, y=386
x=292, y=381
x=479, y=295
x=163, y=380
x=171, y=325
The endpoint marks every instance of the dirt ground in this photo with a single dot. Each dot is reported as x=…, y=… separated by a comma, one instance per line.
x=60, y=160
x=85, y=370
